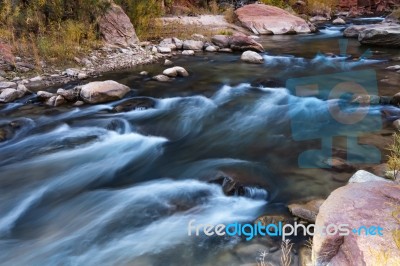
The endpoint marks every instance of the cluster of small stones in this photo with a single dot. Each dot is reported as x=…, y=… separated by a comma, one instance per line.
x=198, y=43
x=99, y=61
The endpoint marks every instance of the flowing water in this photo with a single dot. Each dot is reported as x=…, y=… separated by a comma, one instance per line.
x=90, y=186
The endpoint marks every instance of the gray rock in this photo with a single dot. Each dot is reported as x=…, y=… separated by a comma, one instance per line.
x=362, y=176
x=164, y=50
x=188, y=52
x=193, y=45
x=252, y=57
x=339, y=21
x=7, y=84
x=395, y=68
x=103, y=91
x=37, y=78
x=71, y=72
x=59, y=100
x=211, y=48
x=222, y=41
x=51, y=101
x=354, y=30
x=44, y=95
x=175, y=71
x=70, y=95
x=22, y=90
x=8, y=95
x=82, y=76
x=383, y=35
x=168, y=43
x=168, y=62
x=161, y=78
x=79, y=103
x=178, y=43
x=144, y=73
x=225, y=50
x=307, y=211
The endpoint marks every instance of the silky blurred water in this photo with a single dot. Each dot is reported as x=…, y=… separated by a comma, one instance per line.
x=88, y=186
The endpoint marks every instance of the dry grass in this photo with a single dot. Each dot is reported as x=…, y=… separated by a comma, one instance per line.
x=318, y=7
x=158, y=31
x=230, y=15
x=394, y=156
x=286, y=257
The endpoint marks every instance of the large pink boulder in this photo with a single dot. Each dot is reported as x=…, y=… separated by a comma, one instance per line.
x=366, y=201
x=264, y=19
x=116, y=27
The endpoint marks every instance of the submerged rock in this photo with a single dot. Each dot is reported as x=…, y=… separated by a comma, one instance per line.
x=252, y=57
x=103, y=91
x=307, y=211
x=137, y=103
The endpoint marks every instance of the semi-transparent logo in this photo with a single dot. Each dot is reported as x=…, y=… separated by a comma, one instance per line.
x=339, y=114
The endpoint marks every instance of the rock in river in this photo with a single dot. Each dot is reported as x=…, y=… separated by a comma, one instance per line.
x=384, y=35
x=8, y=95
x=103, y=91
x=175, y=71
x=252, y=57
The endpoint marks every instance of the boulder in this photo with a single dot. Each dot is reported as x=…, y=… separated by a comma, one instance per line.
x=252, y=57
x=339, y=21
x=225, y=50
x=265, y=19
x=222, y=41
x=360, y=206
x=103, y=91
x=51, y=101
x=307, y=211
x=116, y=27
x=8, y=95
x=193, y=45
x=383, y=35
x=175, y=71
x=243, y=43
x=354, y=30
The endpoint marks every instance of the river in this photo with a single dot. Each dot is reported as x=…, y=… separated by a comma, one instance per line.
x=90, y=186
